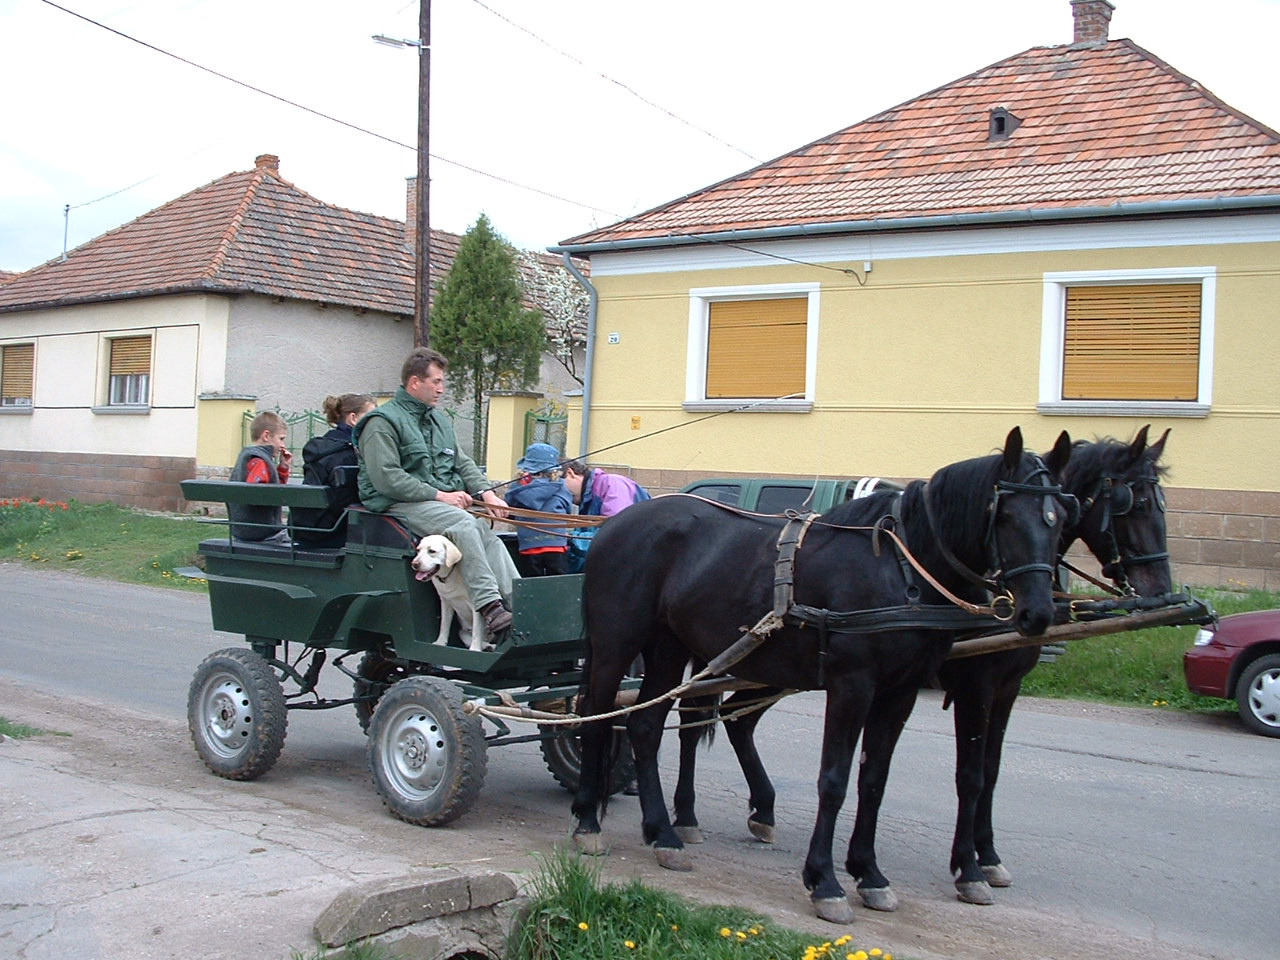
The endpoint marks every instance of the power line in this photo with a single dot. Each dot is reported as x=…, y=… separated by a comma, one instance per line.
x=476, y=170
x=326, y=116
x=617, y=83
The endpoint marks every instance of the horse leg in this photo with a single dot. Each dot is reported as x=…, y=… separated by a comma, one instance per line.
x=844, y=717
x=742, y=733
x=595, y=739
x=996, y=873
x=692, y=710
x=663, y=671
x=971, y=701
x=887, y=717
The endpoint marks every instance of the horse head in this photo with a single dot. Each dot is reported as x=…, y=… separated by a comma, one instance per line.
x=1122, y=518
x=1004, y=515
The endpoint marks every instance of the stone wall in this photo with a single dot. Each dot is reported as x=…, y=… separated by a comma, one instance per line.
x=145, y=482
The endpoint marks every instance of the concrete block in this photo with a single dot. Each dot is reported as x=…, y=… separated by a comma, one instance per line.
x=373, y=908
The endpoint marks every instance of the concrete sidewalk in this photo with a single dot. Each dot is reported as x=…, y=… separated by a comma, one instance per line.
x=101, y=863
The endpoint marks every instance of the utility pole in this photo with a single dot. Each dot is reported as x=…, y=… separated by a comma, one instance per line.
x=422, y=269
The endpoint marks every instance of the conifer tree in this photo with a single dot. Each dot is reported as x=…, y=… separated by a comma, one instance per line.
x=479, y=322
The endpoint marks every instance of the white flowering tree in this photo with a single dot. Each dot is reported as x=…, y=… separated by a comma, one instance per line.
x=564, y=305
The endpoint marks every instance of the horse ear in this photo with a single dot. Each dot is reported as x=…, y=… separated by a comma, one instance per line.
x=1013, y=450
x=1057, y=458
x=1156, y=449
x=1139, y=444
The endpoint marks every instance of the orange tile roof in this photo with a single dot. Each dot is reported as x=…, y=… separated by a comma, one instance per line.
x=246, y=232
x=1101, y=125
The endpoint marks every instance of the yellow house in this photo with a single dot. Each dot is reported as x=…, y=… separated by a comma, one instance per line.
x=1077, y=238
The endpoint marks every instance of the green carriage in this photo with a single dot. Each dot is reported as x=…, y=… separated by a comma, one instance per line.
x=358, y=608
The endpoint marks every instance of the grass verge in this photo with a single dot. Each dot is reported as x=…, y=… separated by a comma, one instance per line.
x=101, y=540
x=1141, y=667
x=19, y=731
x=573, y=916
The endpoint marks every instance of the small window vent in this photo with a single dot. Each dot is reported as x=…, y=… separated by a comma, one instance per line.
x=1002, y=124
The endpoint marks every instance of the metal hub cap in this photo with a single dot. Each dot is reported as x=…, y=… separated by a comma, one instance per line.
x=228, y=715
x=416, y=753
x=1264, y=697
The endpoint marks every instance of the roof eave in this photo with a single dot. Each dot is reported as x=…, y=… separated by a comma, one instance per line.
x=944, y=221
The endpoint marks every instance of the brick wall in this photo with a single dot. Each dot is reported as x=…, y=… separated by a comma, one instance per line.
x=147, y=483
x=1217, y=538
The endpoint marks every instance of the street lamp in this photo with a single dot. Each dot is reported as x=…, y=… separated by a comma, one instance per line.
x=422, y=229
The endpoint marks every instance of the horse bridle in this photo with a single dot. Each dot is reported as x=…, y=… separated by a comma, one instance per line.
x=996, y=582
x=1118, y=499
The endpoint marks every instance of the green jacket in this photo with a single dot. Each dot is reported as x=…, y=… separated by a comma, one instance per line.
x=408, y=453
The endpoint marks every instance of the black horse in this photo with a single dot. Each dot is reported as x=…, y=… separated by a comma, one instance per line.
x=1122, y=522
x=674, y=580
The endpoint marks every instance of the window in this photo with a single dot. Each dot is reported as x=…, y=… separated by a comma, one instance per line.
x=129, y=382
x=17, y=372
x=752, y=344
x=1125, y=342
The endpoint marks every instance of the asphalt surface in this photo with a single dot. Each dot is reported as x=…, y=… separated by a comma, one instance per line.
x=1133, y=834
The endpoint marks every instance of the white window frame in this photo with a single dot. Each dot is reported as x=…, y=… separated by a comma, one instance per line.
x=1053, y=336
x=700, y=300
x=9, y=405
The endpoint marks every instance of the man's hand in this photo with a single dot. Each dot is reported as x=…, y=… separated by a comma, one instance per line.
x=457, y=498
x=497, y=506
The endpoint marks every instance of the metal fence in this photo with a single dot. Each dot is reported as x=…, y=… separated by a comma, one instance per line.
x=541, y=427
x=302, y=427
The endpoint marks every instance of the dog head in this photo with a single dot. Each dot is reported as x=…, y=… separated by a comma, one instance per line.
x=436, y=554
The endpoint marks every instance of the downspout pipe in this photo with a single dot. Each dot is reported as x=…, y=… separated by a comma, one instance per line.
x=594, y=304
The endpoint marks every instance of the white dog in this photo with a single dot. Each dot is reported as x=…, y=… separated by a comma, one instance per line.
x=436, y=560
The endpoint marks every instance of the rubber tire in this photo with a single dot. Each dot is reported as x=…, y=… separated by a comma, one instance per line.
x=236, y=714
x=1263, y=669
x=426, y=755
x=563, y=757
x=376, y=674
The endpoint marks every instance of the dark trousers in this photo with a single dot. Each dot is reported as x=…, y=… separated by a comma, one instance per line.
x=544, y=564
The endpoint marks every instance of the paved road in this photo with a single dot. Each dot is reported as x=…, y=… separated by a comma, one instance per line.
x=1141, y=833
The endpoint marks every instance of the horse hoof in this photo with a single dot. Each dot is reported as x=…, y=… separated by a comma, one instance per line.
x=591, y=844
x=672, y=858
x=761, y=831
x=879, y=898
x=974, y=891
x=833, y=910
x=998, y=875
x=688, y=834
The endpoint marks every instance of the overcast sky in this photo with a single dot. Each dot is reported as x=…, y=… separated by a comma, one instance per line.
x=576, y=113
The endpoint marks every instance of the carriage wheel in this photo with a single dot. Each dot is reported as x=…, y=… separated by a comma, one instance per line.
x=1258, y=696
x=374, y=677
x=426, y=755
x=562, y=753
x=236, y=714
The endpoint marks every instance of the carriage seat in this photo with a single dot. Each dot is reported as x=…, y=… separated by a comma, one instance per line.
x=305, y=552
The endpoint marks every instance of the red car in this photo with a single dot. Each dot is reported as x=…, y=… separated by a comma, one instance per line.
x=1239, y=659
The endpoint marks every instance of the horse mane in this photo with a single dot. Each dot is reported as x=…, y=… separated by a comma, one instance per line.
x=1107, y=457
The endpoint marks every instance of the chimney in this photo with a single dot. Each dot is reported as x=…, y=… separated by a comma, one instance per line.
x=1092, y=20
x=411, y=211
x=267, y=163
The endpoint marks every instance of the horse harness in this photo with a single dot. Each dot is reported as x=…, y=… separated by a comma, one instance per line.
x=1117, y=498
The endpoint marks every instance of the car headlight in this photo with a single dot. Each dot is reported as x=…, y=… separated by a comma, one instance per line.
x=1203, y=637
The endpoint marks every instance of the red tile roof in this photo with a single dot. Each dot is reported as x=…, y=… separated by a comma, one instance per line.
x=1100, y=125
x=245, y=232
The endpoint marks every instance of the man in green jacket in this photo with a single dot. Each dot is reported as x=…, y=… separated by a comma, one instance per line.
x=411, y=467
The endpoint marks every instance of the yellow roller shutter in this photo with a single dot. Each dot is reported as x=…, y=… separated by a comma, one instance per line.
x=1139, y=342
x=130, y=355
x=17, y=367
x=756, y=348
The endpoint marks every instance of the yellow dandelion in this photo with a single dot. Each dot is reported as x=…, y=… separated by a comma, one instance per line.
x=876, y=951
x=860, y=955
x=742, y=935
x=675, y=926
x=843, y=940
x=726, y=932
x=630, y=944
x=583, y=925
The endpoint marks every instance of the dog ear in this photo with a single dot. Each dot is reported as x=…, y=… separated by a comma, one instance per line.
x=451, y=553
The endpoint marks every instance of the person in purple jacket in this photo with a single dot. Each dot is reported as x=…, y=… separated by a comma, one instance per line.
x=597, y=494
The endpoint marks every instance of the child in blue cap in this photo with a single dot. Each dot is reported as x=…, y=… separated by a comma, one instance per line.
x=543, y=547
